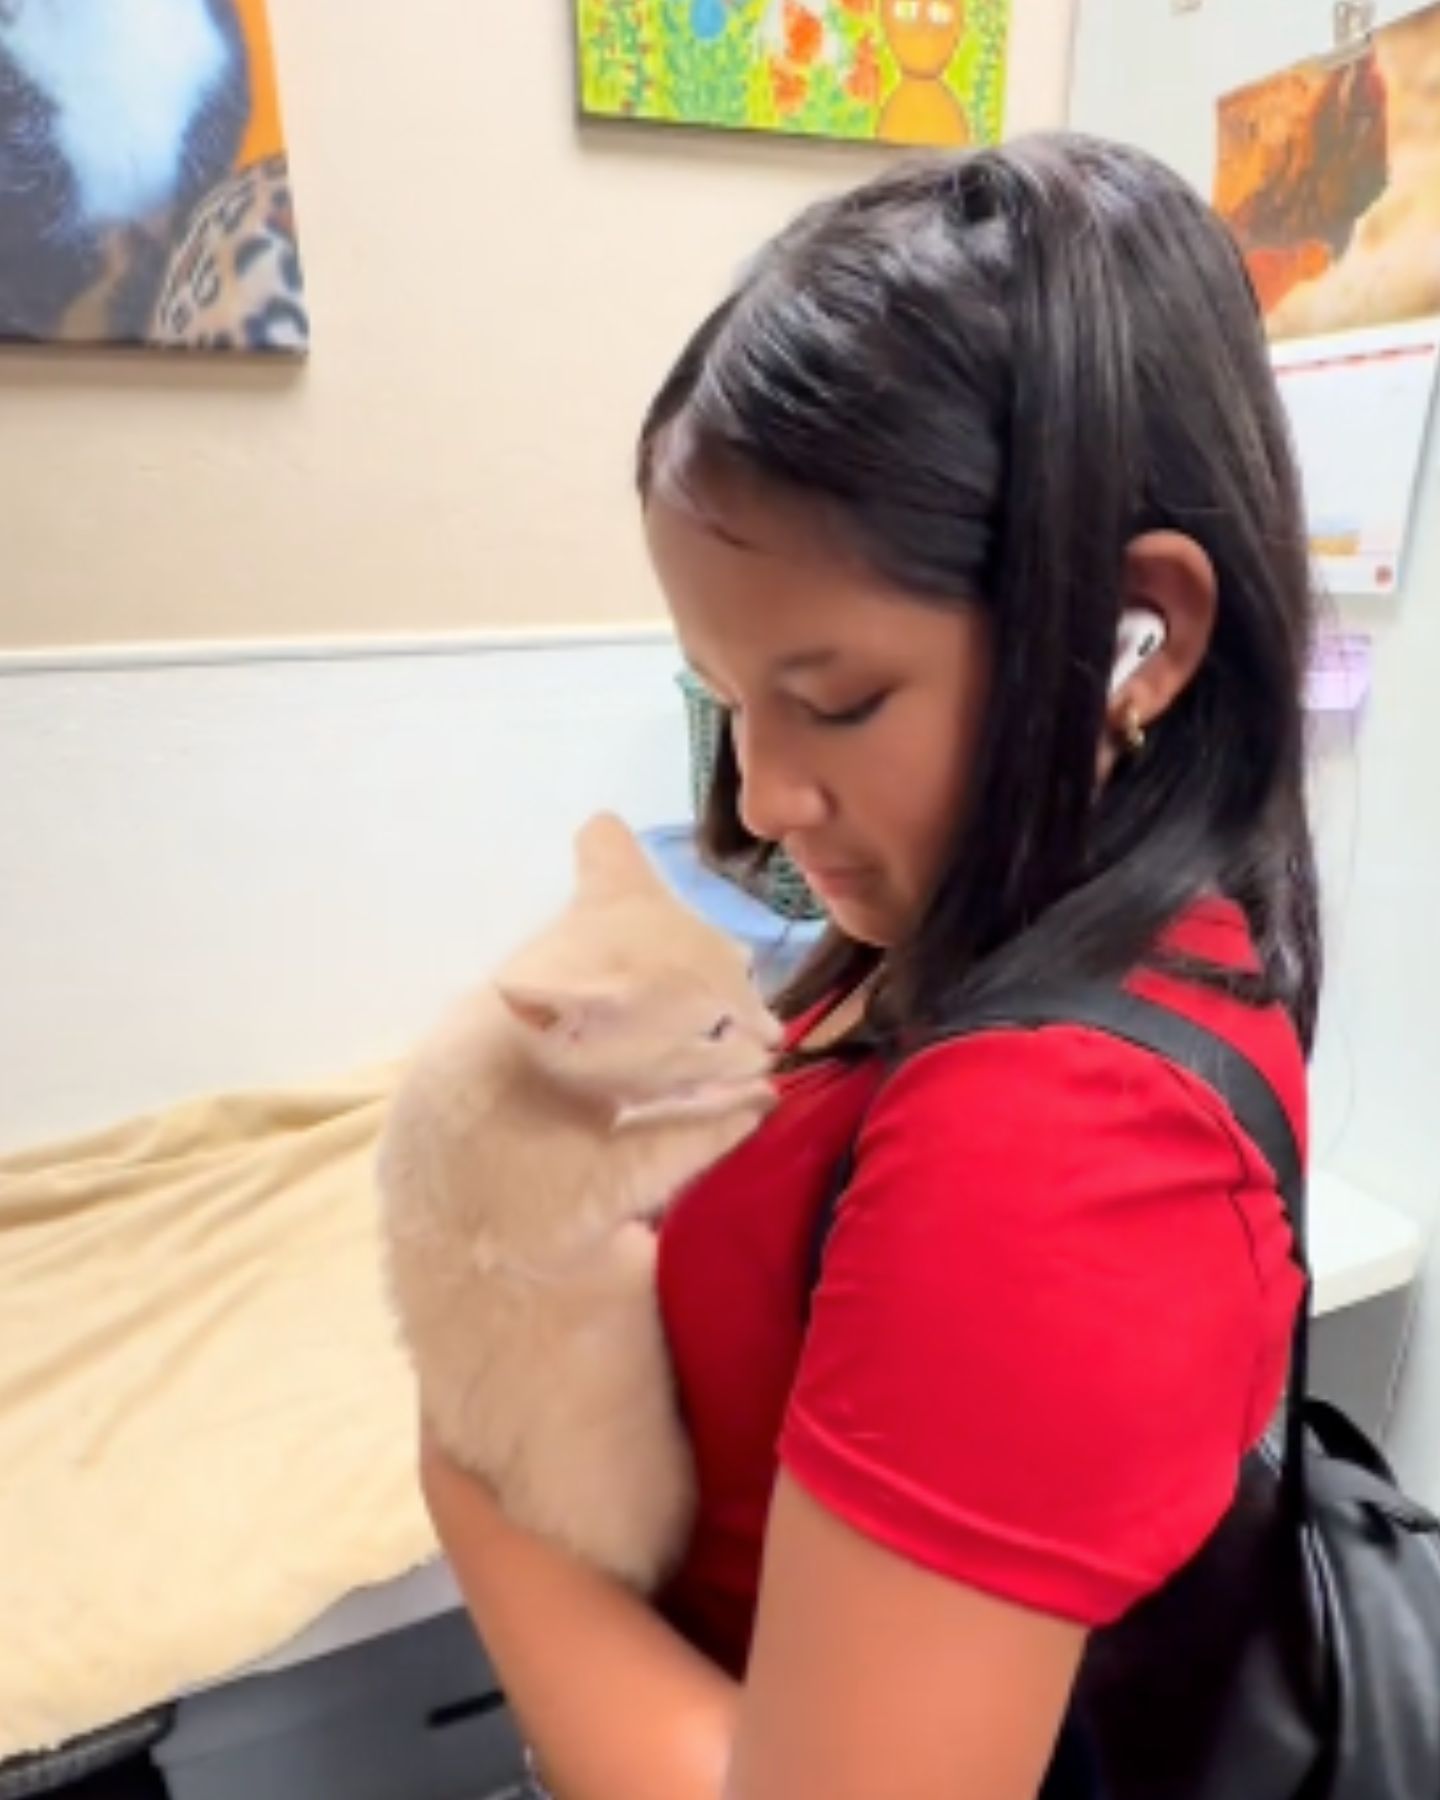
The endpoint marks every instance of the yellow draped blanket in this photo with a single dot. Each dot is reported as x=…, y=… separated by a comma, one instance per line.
x=206, y=1427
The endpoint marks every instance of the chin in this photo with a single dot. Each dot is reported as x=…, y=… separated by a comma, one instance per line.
x=861, y=924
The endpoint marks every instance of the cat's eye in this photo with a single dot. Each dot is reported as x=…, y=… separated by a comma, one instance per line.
x=720, y=1029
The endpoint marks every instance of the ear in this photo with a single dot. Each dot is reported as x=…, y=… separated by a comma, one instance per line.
x=565, y=1015
x=529, y=1007
x=609, y=862
x=1169, y=574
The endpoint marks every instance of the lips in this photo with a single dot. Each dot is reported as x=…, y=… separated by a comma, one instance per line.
x=836, y=879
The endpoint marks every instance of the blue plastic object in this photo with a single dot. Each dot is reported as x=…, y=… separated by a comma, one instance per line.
x=778, y=945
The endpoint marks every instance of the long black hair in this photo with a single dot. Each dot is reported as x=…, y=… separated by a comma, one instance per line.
x=995, y=370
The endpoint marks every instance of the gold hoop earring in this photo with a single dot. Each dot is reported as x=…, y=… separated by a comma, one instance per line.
x=1132, y=731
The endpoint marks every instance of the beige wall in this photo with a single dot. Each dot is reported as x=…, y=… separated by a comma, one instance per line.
x=494, y=294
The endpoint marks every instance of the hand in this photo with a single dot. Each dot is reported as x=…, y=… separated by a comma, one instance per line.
x=456, y=1500
x=743, y=1100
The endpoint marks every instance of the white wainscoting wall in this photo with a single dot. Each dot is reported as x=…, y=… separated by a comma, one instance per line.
x=222, y=867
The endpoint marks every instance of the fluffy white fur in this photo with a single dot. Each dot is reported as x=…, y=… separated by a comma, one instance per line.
x=553, y=1114
x=126, y=83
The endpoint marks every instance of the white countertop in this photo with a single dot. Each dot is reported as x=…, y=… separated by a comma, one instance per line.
x=1360, y=1248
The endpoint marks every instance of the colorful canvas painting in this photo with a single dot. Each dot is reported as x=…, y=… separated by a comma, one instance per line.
x=1329, y=176
x=902, y=71
x=144, y=181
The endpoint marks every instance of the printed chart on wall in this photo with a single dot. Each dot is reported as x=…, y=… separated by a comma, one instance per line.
x=1328, y=174
x=1359, y=403
x=902, y=71
x=144, y=178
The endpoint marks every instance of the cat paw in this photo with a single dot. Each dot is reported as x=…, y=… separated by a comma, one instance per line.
x=745, y=1116
x=746, y=1100
x=724, y=1102
x=759, y=1097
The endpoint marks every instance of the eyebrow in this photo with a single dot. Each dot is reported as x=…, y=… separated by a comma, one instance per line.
x=804, y=660
x=799, y=663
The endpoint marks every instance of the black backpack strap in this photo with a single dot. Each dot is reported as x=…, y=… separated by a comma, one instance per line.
x=1228, y=1072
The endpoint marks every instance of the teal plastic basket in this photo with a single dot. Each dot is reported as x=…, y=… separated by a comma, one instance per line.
x=779, y=883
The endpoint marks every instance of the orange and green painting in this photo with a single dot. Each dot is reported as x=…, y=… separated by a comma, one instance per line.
x=902, y=71
x=144, y=179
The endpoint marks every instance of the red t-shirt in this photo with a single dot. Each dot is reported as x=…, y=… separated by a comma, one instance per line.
x=1054, y=1315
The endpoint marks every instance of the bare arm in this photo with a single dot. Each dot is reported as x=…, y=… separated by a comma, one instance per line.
x=869, y=1675
x=616, y=1704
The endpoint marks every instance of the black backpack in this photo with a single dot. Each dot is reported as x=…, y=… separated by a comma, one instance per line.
x=1297, y=1656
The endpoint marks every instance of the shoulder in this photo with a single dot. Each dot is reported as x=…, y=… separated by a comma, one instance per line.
x=1019, y=1194
x=1053, y=1314
x=1052, y=1104
x=1062, y=1118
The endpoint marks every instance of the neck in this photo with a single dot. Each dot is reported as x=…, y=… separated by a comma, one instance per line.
x=841, y=1019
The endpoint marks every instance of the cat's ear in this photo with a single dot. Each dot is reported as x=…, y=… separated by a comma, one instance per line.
x=562, y=1014
x=609, y=862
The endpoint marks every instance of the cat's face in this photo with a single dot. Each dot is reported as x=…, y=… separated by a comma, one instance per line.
x=629, y=995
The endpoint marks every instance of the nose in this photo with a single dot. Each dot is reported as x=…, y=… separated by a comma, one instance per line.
x=778, y=796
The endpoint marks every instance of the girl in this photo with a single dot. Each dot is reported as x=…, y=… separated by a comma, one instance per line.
x=959, y=440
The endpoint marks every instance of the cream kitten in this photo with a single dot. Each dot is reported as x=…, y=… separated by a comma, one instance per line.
x=611, y=1060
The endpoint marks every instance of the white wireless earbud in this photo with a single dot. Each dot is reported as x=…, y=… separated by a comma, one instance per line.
x=1141, y=633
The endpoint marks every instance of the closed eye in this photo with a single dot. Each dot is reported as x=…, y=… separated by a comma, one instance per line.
x=720, y=1029
x=849, y=715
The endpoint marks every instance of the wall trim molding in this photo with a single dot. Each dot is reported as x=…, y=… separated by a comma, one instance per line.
x=227, y=652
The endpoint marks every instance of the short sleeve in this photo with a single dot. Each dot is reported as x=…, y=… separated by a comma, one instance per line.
x=1038, y=1349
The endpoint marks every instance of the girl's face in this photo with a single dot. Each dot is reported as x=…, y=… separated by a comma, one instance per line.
x=854, y=707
